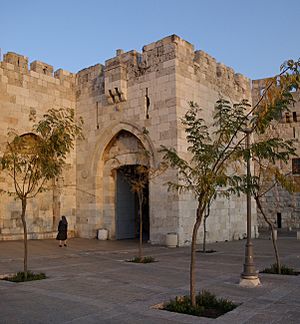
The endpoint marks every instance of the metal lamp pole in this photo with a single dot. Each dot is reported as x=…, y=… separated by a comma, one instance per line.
x=249, y=276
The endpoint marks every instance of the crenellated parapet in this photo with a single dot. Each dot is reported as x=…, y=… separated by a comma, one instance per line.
x=166, y=49
x=220, y=75
x=16, y=62
x=64, y=75
x=42, y=68
x=16, y=67
x=168, y=56
x=164, y=57
x=131, y=67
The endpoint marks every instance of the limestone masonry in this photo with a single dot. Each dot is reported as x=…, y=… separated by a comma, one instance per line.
x=133, y=102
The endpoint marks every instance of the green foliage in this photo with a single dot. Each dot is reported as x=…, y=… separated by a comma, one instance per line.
x=58, y=131
x=33, y=158
x=207, y=305
x=285, y=270
x=146, y=259
x=211, y=154
x=273, y=149
x=19, y=277
x=229, y=119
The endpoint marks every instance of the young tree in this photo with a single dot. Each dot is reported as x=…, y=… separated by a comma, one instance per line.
x=215, y=152
x=32, y=159
x=138, y=178
x=266, y=178
x=211, y=163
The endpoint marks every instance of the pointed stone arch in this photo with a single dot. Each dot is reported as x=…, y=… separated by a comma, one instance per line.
x=106, y=136
x=116, y=146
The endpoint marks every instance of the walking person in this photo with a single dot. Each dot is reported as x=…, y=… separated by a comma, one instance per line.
x=62, y=231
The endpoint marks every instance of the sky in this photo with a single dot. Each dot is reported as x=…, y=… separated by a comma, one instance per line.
x=254, y=37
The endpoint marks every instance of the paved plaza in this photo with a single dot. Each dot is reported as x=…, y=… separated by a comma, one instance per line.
x=89, y=282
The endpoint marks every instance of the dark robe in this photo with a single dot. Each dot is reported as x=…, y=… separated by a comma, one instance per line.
x=62, y=231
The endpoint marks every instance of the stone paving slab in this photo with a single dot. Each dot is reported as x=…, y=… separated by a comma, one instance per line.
x=90, y=282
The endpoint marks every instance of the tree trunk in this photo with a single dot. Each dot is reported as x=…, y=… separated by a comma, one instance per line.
x=140, y=197
x=204, y=234
x=23, y=217
x=204, y=227
x=271, y=225
x=193, y=258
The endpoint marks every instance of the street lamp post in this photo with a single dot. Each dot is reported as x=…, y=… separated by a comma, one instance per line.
x=249, y=276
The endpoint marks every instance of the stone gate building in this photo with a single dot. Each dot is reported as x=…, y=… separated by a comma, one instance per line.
x=133, y=102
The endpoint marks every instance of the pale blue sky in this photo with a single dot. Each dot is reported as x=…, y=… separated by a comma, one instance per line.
x=252, y=36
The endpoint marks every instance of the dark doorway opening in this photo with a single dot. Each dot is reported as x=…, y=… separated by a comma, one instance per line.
x=279, y=220
x=127, y=204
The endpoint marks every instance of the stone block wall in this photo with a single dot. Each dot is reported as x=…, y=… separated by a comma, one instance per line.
x=135, y=100
x=25, y=95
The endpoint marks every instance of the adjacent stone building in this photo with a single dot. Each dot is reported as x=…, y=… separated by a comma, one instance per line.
x=282, y=207
x=134, y=102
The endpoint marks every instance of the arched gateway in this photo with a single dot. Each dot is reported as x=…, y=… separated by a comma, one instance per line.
x=118, y=153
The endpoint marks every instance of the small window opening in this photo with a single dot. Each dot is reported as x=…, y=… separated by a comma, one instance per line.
x=287, y=117
x=147, y=104
x=294, y=116
x=97, y=115
x=296, y=166
x=294, y=132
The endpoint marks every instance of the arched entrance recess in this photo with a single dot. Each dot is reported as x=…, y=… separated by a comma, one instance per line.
x=132, y=202
x=124, y=148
